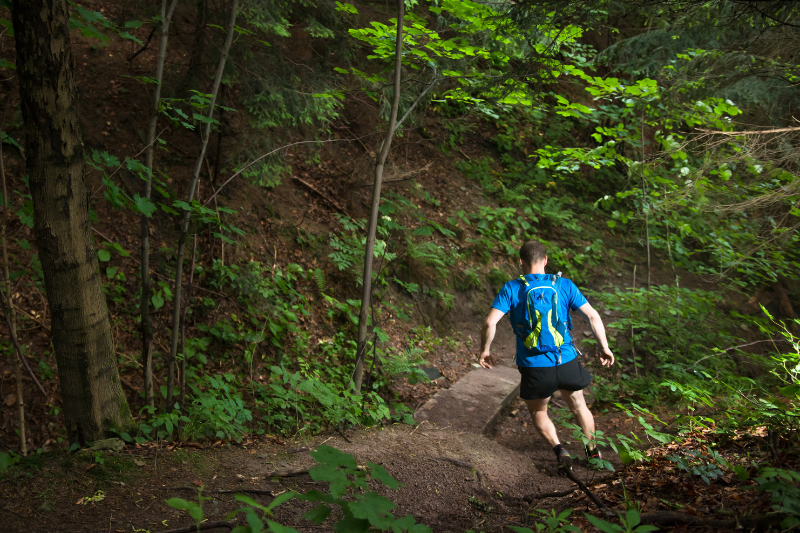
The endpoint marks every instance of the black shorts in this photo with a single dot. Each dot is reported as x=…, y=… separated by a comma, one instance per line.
x=541, y=382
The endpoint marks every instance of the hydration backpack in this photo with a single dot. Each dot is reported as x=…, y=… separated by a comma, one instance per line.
x=541, y=329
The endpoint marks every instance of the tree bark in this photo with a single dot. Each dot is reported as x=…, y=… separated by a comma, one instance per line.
x=366, y=295
x=92, y=395
x=205, y=132
x=144, y=305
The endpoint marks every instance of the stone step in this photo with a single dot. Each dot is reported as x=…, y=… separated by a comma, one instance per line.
x=474, y=402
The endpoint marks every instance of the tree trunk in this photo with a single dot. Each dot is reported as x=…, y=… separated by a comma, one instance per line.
x=144, y=305
x=366, y=295
x=92, y=396
x=205, y=132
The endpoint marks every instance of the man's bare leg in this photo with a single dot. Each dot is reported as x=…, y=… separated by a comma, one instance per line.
x=542, y=422
x=576, y=403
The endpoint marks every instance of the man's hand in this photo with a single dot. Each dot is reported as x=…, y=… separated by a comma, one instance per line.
x=486, y=360
x=607, y=358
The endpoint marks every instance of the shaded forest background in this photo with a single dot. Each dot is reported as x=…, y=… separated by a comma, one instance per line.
x=650, y=145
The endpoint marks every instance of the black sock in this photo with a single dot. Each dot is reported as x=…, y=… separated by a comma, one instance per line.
x=557, y=449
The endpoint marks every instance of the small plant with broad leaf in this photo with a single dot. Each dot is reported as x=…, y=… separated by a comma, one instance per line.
x=360, y=511
x=550, y=522
x=630, y=523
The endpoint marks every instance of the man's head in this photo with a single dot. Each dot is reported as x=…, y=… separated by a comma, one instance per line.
x=533, y=254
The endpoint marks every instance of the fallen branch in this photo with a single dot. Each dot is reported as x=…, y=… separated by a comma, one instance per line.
x=322, y=195
x=408, y=175
x=465, y=465
x=262, y=492
x=300, y=449
x=27, y=314
x=19, y=350
x=600, y=505
x=287, y=473
x=674, y=517
x=530, y=497
x=204, y=525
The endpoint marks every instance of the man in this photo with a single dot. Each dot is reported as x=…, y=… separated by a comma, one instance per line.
x=547, y=361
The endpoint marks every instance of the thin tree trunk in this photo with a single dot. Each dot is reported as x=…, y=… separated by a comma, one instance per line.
x=633, y=339
x=366, y=295
x=144, y=304
x=93, y=401
x=647, y=357
x=12, y=316
x=183, y=314
x=206, y=131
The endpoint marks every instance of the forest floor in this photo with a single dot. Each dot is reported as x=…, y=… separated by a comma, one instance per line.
x=135, y=483
x=131, y=487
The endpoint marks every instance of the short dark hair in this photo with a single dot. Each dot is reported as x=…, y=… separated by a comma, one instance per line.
x=532, y=252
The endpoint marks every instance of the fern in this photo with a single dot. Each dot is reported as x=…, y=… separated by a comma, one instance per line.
x=319, y=277
x=516, y=195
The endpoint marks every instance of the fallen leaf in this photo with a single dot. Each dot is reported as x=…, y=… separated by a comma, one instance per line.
x=252, y=452
x=90, y=467
x=197, y=483
x=11, y=399
x=137, y=462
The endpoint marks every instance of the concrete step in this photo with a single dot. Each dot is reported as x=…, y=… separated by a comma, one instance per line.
x=474, y=402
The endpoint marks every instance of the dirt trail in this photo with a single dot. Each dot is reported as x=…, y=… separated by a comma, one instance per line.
x=511, y=463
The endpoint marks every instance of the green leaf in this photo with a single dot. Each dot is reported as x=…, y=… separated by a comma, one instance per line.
x=281, y=498
x=318, y=514
x=180, y=204
x=375, y=508
x=133, y=24
x=144, y=205
x=351, y=525
x=158, y=300
x=204, y=119
x=277, y=528
x=103, y=255
x=380, y=473
x=602, y=525
x=741, y=473
x=790, y=390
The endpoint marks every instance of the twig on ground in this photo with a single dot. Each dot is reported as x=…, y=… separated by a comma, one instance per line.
x=287, y=473
x=530, y=497
x=418, y=426
x=300, y=449
x=237, y=491
x=340, y=432
x=675, y=517
x=600, y=505
x=322, y=195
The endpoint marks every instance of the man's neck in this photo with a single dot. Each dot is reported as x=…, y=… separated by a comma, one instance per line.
x=536, y=269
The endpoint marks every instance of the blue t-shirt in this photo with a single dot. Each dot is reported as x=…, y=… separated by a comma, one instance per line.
x=512, y=298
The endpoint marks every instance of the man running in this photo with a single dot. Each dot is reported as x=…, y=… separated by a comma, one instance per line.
x=547, y=361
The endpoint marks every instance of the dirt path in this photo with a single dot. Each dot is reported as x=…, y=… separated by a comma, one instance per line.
x=436, y=491
x=511, y=463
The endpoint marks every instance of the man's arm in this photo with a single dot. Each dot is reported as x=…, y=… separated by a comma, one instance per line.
x=606, y=357
x=487, y=335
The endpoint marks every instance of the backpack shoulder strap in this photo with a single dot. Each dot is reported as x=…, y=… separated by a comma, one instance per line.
x=557, y=284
